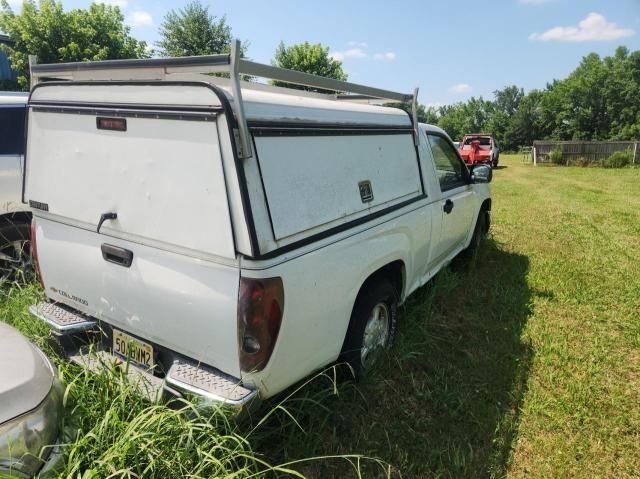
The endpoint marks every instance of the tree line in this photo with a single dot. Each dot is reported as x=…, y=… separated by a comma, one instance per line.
x=599, y=100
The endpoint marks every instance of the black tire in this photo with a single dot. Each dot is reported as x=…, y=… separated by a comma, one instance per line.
x=15, y=252
x=373, y=296
x=495, y=163
x=480, y=231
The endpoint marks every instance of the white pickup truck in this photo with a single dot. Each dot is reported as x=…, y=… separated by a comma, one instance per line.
x=14, y=215
x=231, y=238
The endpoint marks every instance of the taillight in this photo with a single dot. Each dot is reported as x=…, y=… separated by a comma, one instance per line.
x=34, y=251
x=260, y=307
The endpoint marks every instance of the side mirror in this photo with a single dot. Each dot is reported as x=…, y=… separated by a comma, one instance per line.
x=481, y=174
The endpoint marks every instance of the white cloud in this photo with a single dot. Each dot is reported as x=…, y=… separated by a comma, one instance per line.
x=385, y=56
x=593, y=27
x=139, y=18
x=460, y=88
x=116, y=3
x=350, y=53
x=359, y=50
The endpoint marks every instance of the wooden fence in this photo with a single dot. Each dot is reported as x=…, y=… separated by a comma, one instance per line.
x=583, y=151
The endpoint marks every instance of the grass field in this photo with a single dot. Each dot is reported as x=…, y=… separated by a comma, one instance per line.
x=525, y=364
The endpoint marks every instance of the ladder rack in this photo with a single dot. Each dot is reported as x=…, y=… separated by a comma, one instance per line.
x=233, y=64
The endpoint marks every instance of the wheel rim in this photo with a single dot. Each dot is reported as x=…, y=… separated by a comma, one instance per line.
x=376, y=334
x=15, y=259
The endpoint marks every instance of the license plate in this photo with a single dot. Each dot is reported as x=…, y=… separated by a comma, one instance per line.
x=129, y=348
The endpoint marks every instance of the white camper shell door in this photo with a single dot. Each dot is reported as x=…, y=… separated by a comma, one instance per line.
x=162, y=176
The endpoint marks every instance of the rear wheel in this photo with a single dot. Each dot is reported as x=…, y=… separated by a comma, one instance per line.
x=372, y=327
x=15, y=252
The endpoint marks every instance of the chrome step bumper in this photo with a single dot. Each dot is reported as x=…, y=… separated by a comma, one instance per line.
x=145, y=383
x=207, y=383
x=183, y=377
x=62, y=319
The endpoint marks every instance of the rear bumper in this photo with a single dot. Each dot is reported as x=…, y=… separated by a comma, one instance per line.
x=483, y=161
x=183, y=376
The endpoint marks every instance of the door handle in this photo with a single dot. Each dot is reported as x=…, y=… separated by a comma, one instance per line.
x=105, y=217
x=114, y=254
x=448, y=206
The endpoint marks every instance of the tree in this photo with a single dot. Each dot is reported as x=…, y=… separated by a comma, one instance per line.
x=465, y=117
x=508, y=99
x=192, y=30
x=452, y=120
x=505, y=105
x=599, y=100
x=308, y=58
x=623, y=94
x=526, y=125
x=426, y=114
x=53, y=35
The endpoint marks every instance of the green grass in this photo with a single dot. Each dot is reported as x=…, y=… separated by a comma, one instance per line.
x=111, y=431
x=525, y=364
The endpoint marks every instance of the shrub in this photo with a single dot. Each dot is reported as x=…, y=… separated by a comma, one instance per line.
x=619, y=159
x=556, y=156
x=583, y=162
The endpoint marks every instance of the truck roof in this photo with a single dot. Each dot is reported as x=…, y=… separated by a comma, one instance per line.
x=291, y=107
x=260, y=105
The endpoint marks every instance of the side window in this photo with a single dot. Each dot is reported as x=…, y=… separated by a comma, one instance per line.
x=12, y=130
x=450, y=169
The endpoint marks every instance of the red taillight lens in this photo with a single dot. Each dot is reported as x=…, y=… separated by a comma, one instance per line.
x=260, y=307
x=34, y=251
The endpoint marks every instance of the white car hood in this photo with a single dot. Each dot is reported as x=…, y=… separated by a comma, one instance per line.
x=26, y=375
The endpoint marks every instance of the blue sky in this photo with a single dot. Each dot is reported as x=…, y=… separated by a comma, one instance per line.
x=450, y=49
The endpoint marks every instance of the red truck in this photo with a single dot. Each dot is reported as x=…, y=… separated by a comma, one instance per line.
x=479, y=148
